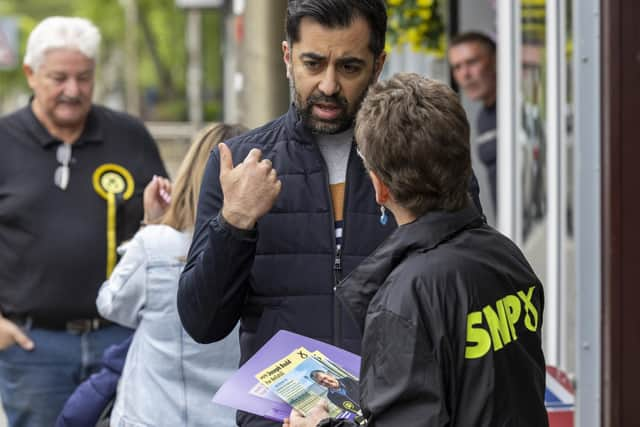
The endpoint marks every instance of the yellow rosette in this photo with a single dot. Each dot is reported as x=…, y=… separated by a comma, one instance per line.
x=109, y=181
x=349, y=406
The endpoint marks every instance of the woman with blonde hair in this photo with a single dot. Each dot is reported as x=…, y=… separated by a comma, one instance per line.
x=168, y=379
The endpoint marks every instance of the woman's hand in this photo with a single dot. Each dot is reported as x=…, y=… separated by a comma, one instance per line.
x=156, y=198
x=316, y=414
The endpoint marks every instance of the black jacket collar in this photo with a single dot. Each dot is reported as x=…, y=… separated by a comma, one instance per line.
x=296, y=129
x=424, y=234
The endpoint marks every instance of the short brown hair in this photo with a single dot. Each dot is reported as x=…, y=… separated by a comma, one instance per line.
x=181, y=213
x=474, y=37
x=414, y=134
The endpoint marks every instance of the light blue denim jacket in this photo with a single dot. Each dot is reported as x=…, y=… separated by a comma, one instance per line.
x=168, y=379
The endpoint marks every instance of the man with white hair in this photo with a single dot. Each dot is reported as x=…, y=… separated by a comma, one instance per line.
x=72, y=176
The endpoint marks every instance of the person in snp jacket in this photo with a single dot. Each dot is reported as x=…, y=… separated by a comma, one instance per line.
x=450, y=309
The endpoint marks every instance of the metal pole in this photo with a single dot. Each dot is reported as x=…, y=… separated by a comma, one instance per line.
x=587, y=160
x=566, y=260
x=452, y=30
x=194, y=70
x=131, y=59
x=555, y=99
x=508, y=109
x=265, y=91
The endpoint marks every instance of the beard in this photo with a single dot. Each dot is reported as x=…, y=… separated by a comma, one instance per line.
x=318, y=125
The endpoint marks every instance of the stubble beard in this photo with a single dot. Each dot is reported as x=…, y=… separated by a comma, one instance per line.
x=326, y=127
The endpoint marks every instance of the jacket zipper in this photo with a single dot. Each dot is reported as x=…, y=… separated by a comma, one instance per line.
x=337, y=254
x=337, y=313
x=337, y=264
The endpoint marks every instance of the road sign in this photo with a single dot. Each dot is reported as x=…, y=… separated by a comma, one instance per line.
x=8, y=43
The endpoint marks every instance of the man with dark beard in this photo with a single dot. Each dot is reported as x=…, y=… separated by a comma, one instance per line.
x=269, y=247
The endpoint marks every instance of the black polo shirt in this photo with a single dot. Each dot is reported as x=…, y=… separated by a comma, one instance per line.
x=53, y=243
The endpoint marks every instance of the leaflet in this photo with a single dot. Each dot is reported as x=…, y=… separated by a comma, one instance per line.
x=302, y=379
x=291, y=370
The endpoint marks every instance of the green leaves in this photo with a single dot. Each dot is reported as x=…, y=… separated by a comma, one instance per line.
x=161, y=59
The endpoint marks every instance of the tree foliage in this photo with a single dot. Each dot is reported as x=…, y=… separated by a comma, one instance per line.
x=161, y=51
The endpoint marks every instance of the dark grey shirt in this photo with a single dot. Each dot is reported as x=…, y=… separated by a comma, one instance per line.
x=487, y=145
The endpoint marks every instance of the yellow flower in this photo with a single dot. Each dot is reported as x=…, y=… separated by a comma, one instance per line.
x=413, y=23
x=413, y=36
x=424, y=14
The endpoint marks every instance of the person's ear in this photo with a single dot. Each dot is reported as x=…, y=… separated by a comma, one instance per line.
x=379, y=64
x=382, y=191
x=29, y=74
x=286, y=56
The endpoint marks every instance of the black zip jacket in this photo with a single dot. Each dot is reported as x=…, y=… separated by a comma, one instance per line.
x=452, y=318
x=281, y=275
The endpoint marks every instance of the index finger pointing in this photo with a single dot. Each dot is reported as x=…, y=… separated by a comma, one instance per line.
x=226, y=161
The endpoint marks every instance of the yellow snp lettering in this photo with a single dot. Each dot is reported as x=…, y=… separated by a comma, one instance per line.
x=531, y=319
x=512, y=307
x=499, y=327
x=477, y=336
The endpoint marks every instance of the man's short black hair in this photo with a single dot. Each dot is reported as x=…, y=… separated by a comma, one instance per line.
x=474, y=37
x=339, y=14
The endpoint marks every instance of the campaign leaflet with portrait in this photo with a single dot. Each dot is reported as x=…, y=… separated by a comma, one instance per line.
x=303, y=378
x=294, y=371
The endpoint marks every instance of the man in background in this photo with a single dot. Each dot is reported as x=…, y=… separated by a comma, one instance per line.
x=472, y=57
x=71, y=180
